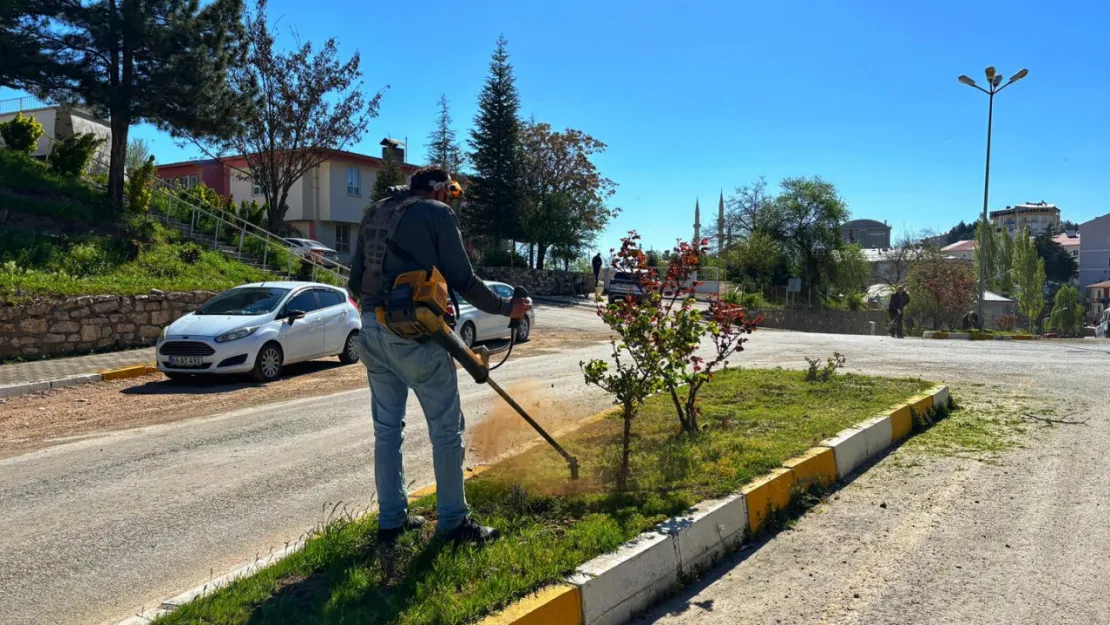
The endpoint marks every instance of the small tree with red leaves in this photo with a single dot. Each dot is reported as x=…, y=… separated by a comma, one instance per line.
x=658, y=336
x=635, y=373
x=681, y=327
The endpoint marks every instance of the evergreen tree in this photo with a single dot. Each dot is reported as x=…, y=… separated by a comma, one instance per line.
x=160, y=61
x=388, y=176
x=494, y=197
x=987, y=239
x=443, y=149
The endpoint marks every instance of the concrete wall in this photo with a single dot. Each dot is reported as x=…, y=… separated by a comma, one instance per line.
x=61, y=326
x=827, y=321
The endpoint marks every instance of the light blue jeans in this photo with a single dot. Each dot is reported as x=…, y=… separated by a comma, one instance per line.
x=393, y=366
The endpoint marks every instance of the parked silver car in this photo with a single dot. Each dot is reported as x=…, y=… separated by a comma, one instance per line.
x=475, y=326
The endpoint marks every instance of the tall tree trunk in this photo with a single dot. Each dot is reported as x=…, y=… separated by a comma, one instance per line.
x=626, y=443
x=531, y=255
x=120, y=125
x=541, y=251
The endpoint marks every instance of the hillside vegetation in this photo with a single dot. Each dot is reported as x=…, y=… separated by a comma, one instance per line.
x=59, y=236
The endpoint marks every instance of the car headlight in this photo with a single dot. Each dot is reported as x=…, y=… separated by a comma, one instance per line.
x=163, y=336
x=236, y=334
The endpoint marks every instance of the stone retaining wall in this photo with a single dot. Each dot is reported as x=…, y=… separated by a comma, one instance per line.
x=57, y=326
x=537, y=281
x=827, y=321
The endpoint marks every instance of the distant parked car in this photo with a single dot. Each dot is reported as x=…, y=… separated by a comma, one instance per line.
x=259, y=328
x=475, y=326
x=310, y=247
x=624, y=284
x=1102, y=329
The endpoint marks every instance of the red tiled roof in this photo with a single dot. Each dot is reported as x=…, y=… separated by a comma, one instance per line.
x=1099, y=285
x=1067, y=241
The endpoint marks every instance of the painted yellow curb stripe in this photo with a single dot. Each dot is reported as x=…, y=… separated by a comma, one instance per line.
x=554, y=605
x=901, y=422
x=133, y=371
x=766, y=494
x=816, y=466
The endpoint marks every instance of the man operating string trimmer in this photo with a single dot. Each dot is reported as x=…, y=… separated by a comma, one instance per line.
x=409, y=245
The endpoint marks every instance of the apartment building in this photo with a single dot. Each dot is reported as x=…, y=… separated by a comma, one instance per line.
x=326, y=204
x=1094, y=251
x=1038, y=216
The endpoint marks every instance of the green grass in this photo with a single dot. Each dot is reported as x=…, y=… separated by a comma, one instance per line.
x=984, y=424
x=754, y=420
x=43, y=265
x=28, y=186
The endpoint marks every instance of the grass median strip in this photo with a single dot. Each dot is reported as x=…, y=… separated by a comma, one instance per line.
x=754, y=420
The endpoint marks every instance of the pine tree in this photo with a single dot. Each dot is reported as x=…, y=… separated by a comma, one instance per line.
x=388, y=176
x=494, y=196
x=443, y=149
x=163, y=62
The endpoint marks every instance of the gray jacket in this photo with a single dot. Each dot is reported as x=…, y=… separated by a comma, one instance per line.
x=429, y=234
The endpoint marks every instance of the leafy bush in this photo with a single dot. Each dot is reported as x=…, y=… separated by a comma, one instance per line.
x=753, y=300
x=732, y=296
x=826, y=373
x=140, y=187
x=1006, y=323
x=503, y=258
x=21, y=134
x=71, y=156
x=1066, y=317
x=855, y=301
x=189, y=253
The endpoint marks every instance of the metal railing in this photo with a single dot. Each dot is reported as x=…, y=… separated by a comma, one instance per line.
x=25, y=103
x=225, y=219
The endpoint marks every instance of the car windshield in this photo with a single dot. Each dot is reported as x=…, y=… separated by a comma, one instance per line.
x=623, y=276
x=245, y=301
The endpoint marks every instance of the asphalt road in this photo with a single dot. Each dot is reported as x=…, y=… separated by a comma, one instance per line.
x=93, y=530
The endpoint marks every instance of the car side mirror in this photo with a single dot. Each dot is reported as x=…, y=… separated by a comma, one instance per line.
x=293, y=315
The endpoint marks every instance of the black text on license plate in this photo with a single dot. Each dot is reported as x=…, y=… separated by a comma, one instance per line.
x=186, y=361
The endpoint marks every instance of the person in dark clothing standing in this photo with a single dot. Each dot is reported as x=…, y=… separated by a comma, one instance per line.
x=897, y=308
x=414, y=229
x=597, y=268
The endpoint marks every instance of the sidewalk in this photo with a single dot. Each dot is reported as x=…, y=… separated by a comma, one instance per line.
x=53, y=369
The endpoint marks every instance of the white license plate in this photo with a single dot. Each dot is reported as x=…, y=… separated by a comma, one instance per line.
x=186, y=361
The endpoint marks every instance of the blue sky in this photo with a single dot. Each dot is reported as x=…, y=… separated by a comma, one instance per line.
x=692, y=100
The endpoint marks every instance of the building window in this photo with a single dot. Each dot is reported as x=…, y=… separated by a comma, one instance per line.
x=342, y=238
x=256, y=189
x=189, y=182
x=354, y=186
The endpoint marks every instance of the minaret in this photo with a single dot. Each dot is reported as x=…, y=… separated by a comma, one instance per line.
x=721, y=223
x=697, y=224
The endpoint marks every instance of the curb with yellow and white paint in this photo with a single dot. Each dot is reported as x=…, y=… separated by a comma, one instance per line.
x=611, y=588
x=26, y=388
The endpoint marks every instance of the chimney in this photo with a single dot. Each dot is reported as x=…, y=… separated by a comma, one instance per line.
x=392, y=148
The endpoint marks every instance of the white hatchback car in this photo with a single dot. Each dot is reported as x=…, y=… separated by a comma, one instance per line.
x=258, y=328
x=475, y=326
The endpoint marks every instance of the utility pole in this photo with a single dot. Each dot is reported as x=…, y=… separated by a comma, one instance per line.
x=994, y=85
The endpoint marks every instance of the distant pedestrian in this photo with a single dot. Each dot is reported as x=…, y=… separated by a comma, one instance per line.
x=896, y=309
x=597, y=268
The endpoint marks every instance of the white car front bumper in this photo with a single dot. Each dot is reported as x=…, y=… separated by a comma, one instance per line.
x=236, y=356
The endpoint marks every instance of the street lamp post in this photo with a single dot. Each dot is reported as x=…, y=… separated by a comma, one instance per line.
x=994, y=85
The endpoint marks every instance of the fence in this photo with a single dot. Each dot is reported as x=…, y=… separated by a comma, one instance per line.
x=26, y=103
